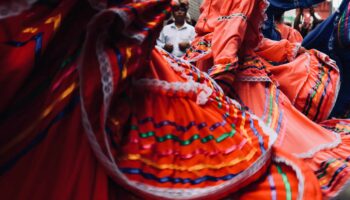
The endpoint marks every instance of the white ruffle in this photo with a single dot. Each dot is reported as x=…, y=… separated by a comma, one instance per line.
x=241, y=15
x=254, y=79
x=203, y=92
x=313, y=151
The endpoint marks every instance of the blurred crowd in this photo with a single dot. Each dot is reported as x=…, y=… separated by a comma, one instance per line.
x=179, y=32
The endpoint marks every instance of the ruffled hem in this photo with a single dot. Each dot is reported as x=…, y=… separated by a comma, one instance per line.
x=157, y=184
x=318, y=95
x=332, y=166
x=151, y=184
x=287, y=178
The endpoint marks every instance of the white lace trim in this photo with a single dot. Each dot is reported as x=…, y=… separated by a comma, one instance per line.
x=241, y=15
x=107, y=83
x=254, y=79
x=14, y=7
x=300, y=176
x=105, y=69
x=203, y=92
x=178, y=68
x=295, y=51
x=313, y=151
x=181, y=70
x=266, y=129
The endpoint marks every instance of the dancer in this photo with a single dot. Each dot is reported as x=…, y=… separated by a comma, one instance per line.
x=108, y=116
x=329, y=37
x=323, y=148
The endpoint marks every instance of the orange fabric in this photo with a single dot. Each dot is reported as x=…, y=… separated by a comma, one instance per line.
x=297, y=134
x=272, y=186
x=198, y=158
x=278, y=51
x=169, y=126
x=296, y=122
x=229, y=33
x=309, y=79
x=290, y=89
x=289, y=33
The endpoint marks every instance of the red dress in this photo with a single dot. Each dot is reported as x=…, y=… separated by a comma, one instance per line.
x=95, y=112
x=289, y=33
x=283, y=85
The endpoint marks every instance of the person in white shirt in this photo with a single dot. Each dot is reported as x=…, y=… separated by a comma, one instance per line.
x=177, y=37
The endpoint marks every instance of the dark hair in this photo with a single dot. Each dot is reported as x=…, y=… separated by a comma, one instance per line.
x=181, y=6
x=278, y=15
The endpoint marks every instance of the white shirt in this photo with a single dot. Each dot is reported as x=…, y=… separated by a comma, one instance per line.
x=173, y=35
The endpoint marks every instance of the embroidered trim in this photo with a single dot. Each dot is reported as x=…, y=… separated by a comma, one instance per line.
x=328, y=61
x=232, y=16
x=254, y=79
x=203, y=92
x=181, y=70
x=193, y=168
x=105, y=69
x=203, y=56
x=201, y=192
x=108, y=163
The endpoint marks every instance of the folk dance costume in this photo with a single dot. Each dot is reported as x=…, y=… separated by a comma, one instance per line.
x=93, y=110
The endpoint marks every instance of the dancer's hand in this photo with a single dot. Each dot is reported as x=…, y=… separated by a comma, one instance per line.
x=169, y=48
x=301, y=50
x=183, y=46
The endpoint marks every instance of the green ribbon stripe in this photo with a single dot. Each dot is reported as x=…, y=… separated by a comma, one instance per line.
x=189, y=141
x=286, y=183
